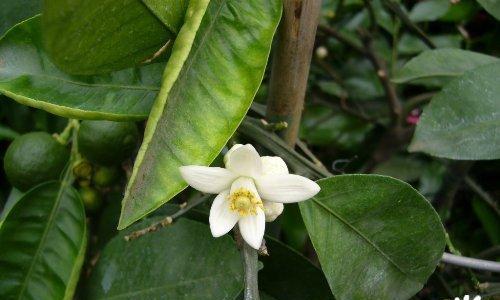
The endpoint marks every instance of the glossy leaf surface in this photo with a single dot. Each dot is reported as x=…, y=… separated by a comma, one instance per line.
x=42, y=244
x=29, y=77
x=491, y=6
x=287, y=275
x=208, y=86
x=375, y=236
x=181, y=261
x=441, y=63
x=170, y=12
x=13, y=12
x=99, y=36
x=463, y=120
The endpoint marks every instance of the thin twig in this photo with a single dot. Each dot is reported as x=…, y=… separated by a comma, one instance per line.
x=184, y=208
x=455, y=173
x=303, y=147
x=394, y=7
x=251, y=265
x=395, y=107
x=341, y=38
x=473, y=263
x=482, y=193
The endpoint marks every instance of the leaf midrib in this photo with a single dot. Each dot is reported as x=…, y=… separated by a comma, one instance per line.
x=43, y=239
x=166, y=286
x=91, y=85
x=328, y=209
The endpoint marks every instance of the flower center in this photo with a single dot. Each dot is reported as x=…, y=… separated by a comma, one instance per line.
x=244, y=202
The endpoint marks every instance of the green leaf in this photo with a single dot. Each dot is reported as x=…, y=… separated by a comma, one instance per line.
x=170, y=12
x=491, y=6
x=181, y=261
x=287, y=275
x=43, y=242
x=489, y=219
x=29, y=77
x=95, y=36
x=14, y=196
x=375, y=236
x=13, y=12
x=410, y=44
x=441, y=63
x=252, y=129
x=7, y=134
x=404, y=168
x=462, y=121
x=208, y=86
x=429, y=10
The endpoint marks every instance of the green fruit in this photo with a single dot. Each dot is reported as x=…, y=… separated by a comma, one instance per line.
x=91, y=198
x=107, y=142
x=34, y=158
x=106, y=176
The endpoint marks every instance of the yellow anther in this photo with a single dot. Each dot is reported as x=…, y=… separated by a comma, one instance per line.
x=244, y=202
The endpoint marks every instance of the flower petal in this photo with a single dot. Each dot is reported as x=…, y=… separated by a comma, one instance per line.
x=230, y=151
x=252, y=229
x=272, y=210
x=245, y=183
x=273, y=165
x=286, y=188
x=207, y=179
x=221, y=218
x=244, y=161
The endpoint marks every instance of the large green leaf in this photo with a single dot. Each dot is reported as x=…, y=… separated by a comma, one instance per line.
x=463, y=120
x=209, y=83
x=181, y=261
x=14, y=196
x=7, y=134
x=491, y=6
x=42, y=244
x=13, y=12
x=29, y=77
x=287, y=275
x=170, y=12
x=97, y=36
x=441, y=63
x=375, y=236
x=429, y=10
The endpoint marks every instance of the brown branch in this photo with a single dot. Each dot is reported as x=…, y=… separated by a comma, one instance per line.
x=473, y=185
x=394, y=7
x=341, y=38
x=395, y=107
x=184, y=208
x=291, y=63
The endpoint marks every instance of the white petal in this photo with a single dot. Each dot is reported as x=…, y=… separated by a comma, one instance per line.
x=245, y=183
x=287, y=188
x=244, y=161
x=252, y=229
x=222, y=219
x=272, y=210
x=466, y=297
x=226, y=156
x=273, y=165
x=207, y=179
x=477, y=297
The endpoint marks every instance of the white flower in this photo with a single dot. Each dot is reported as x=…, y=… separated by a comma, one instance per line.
x=466, y=297
x=251, y=189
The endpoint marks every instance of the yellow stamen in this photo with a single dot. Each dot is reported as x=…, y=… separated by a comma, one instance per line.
x=244, y=202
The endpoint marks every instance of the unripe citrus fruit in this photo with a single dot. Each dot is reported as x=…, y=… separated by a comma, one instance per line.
x=107, y=142
x=91, y=198
x=34, y=158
